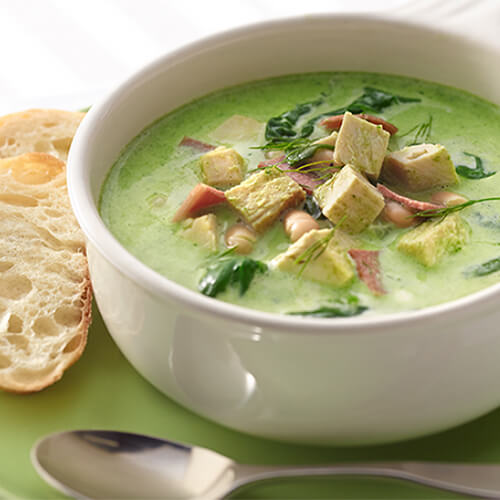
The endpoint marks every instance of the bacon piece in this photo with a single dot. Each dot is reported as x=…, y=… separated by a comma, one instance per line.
x=200, y=197
x=308, y=180
x=189, y=142
x=334, y=122
x=277, y=160
x=368, y=268
x=415, y=205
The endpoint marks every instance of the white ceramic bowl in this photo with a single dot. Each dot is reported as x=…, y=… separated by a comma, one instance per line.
x=333, y=381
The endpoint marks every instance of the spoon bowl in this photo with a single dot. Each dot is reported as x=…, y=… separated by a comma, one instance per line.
x=109, y=464
x=101, y=464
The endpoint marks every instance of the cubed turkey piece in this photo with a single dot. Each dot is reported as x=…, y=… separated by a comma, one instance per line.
x=350, y=198
x=237, y=128
x=263, y=196
x=329, y=264
x=419, y=167
x=362, y=144
x=202, y=231
x=328, y=140
x=432, y=240
x=222, y=167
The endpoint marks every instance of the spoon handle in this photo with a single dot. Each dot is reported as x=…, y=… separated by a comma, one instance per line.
x=480, y=480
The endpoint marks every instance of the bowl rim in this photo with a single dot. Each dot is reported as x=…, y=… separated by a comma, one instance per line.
x=153, y=282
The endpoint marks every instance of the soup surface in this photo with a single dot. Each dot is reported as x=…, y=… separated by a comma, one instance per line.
x=155, y=173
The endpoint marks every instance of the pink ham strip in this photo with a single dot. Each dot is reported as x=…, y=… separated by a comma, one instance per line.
x=415, y=205
x=368, y=268
x=195, y=144
x=199, y=198
x=308, y=181
x=334, y=122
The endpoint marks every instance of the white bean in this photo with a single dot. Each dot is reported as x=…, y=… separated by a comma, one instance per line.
x=447, y=198
x=241, y=238
x=298, y=223
x=398, y=214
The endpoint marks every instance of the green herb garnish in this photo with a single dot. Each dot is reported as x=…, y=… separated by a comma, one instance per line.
x=488, y=267
x=443, y=212
x=316, y=166
x=296, y=151
x=344, y=308
x=299, y=155
x=230, y=271
x=476, y=172
x=371, y=101
x=422, y=133
x=282, y=128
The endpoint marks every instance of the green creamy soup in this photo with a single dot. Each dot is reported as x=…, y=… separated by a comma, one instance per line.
x=154, y=175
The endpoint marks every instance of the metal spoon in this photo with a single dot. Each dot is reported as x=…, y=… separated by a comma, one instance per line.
x=108, y=464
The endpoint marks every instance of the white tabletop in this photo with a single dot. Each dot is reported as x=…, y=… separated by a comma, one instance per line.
x=66, y=53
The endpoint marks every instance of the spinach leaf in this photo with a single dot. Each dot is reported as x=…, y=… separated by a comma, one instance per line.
x=477, y=172
x=375, y=101
x=234, y=271
x=371, y=101
x=281, y=127
x=342, y=308
x=313, y=209
x=488, y=267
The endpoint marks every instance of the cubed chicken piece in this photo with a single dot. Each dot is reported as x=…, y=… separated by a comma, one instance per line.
x=237, y=128
x=419, y=167
x=362, y=144
x=222, y=167
x=350, y=198
x=202, y=231
x=432, y=240
x=264, y=196
x=328, y=261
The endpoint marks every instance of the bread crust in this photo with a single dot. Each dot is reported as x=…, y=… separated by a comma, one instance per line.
x=83, y=330
x=45, y=290
x=38, y=130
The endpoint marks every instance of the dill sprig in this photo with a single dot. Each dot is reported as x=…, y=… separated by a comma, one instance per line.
x=443, y=212
x=296, y=151
x=422, y=132
x=284, y=146
x=315, y=166
x=316, y=249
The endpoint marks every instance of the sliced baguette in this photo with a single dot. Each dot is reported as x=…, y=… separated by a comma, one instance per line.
x=38, y=130
x=45, y=296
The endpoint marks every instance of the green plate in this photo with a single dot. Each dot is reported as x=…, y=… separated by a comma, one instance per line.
x=103, y=391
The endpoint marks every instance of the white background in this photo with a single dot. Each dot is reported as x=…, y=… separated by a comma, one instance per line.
x=67, y=53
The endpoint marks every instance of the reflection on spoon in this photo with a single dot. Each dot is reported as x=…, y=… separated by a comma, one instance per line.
x=109, y=464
